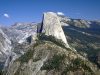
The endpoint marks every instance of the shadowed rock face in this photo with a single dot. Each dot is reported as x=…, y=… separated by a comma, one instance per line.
x=51, y=26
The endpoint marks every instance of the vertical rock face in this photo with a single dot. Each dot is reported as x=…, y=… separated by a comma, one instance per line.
x=51, y=26
x=5, y=44
x=5, y=48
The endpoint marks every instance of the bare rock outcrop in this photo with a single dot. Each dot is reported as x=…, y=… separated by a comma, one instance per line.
x=51, y=26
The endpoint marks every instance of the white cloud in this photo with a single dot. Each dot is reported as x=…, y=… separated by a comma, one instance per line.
x=6, y=15
x=60, y=13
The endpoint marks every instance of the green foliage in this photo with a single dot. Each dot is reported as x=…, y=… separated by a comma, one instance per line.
x=17, y=72
x=78, y=64
x=1, y=73
x=29, y=54
x=54, y=63
x=38, y=42
x=25, y=58
x=36, y=59
x=51, y=38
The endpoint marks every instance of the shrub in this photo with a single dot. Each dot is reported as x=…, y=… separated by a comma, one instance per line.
x=78, y=64
x=51, y=38
x=25, y=58
x=1, y=73
x=54, y=63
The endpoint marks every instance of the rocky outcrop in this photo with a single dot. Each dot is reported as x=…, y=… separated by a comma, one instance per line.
x=5, y=48
x=14, y=40
x=19, y=32
x=47, y=58
x=51, y=26
x=5, y=45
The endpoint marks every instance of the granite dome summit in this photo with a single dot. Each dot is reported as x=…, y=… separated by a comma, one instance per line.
x=51, y=26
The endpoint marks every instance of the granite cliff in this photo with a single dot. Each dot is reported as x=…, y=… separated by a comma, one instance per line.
x=51, y=26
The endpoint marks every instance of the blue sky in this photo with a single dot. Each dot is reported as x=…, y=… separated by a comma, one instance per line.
x=12, y=11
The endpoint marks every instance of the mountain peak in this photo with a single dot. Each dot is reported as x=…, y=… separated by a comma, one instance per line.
x=51, y=26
